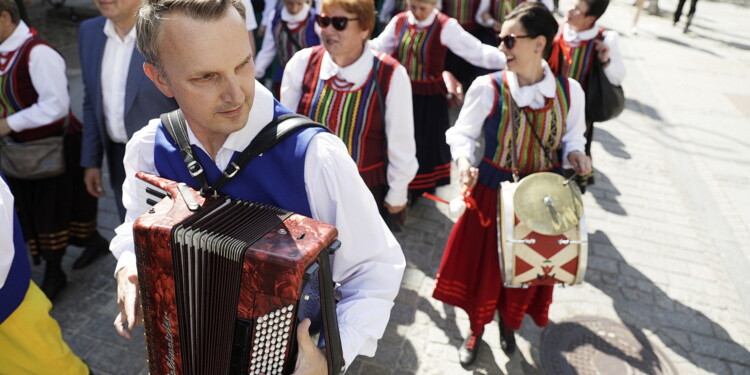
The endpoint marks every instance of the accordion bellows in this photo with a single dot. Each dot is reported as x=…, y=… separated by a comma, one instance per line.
x=222, y=283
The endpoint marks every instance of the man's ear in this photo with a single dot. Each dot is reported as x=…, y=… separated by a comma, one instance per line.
x=158, y=79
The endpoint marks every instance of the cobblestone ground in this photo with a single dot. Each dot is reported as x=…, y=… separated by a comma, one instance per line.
x=669, y=223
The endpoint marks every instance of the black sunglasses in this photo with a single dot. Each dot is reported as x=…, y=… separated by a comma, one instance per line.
x=510, y=40
x=339, y=23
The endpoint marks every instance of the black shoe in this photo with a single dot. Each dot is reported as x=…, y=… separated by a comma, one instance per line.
x=97, y=247
x=507, y=338
x=467, y=354
x=54, y=281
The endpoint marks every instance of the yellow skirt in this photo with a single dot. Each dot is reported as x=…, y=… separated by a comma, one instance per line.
x=31, y=341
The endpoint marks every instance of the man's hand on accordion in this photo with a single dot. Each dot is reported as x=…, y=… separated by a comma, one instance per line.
x=128, y=299
x=310, y=359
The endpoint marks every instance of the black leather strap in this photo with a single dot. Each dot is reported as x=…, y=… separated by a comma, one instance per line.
x=274, y=132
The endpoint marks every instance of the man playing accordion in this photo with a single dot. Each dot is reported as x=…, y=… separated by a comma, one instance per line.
x=197, y=52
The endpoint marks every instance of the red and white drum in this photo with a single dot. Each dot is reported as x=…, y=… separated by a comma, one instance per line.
x=531, y=258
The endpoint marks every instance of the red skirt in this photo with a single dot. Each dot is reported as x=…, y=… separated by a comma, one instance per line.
x=469, y=275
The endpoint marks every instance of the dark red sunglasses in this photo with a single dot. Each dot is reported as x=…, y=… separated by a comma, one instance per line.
x=510, y=40
x=339, y=23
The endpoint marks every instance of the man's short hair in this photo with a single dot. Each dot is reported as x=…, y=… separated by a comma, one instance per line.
x=364, y=10
x=11, y=7
x=596, y=7
x=150, y=15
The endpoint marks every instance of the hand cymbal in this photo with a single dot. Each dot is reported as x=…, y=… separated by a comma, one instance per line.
x=547, y=204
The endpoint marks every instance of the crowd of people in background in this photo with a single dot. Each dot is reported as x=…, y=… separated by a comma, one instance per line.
x=382, y=84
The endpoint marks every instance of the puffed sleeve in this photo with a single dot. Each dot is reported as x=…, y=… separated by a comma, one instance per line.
x=478, y=103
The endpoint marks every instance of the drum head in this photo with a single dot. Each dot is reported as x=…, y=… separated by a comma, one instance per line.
x=546, y=204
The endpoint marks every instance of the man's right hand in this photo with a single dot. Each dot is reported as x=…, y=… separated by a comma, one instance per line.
x=92, y=177
x=129, y=301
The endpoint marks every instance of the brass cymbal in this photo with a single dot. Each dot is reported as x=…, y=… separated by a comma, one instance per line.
x=547, y=204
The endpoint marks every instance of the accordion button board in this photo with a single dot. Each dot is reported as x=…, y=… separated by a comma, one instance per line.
x=222, y=285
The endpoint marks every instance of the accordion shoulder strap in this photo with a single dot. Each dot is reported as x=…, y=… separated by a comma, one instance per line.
x=274, y=132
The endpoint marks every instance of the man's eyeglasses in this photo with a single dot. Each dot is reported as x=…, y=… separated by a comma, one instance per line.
x=510, y=40
x=338, y=23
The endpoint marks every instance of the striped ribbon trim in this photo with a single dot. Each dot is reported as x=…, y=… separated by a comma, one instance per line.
x=412, y=49
x=346, y=113
x=548, y=123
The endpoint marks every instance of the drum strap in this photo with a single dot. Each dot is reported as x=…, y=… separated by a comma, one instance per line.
x=513, y=146
x=274, y=132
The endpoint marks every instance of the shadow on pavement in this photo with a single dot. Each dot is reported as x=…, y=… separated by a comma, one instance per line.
x=565, y=361
x=611, y=144
x=642, y=305
x=605, y=194
x=641, y=107
x=686, y=45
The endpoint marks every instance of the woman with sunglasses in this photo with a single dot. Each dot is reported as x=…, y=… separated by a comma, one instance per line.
x=549, y=115
x=292, y=28
x=362, y=96
x=420, y=38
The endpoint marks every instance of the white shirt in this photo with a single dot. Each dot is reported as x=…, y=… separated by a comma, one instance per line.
x=399, y=122
x=480, y=100
x=115, y=66
x=7, y=247
x=270, y=11
x=369, y=265
x=268, y=50
x=615, y=71
x=484, y=6
x=47, y=71
x=250, y=23
x=452, y=36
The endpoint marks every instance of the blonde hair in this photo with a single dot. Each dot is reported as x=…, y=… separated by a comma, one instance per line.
x=363, y=9
x=152, y=12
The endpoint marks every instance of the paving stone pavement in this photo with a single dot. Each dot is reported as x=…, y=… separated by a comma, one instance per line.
x=669, y=223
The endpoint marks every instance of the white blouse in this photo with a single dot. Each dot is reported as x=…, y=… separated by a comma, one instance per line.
x=480, y=99
x=399, y=122
x=47, y=71
x=268, y=50
x=615, y=71
x=452, y=36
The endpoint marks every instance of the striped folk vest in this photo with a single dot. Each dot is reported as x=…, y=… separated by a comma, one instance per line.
x=288, y=43
x=355, y=116
x=499, y=9
x=463, y=11
x=573, y=62
x=422, y=54
x=17, y=91
x=547, y=122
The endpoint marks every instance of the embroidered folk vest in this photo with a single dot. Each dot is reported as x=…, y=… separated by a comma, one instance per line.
x=17, y=91
x=573, y=62
x=463, y=11
x=355, y=116
x=499, y=9
x=422, y=54
x=304, y=35
x=548, y=123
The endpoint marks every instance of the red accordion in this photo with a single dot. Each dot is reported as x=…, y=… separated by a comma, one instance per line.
x=224, y=282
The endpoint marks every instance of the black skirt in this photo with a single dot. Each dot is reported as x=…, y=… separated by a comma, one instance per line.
x=433, y=154
x=57, y=211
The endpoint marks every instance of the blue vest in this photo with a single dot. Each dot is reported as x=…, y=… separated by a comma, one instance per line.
x=14, y=290
x=277, y=177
